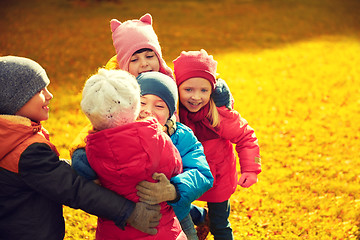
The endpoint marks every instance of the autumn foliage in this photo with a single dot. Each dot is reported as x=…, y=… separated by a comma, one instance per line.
x=293, y=69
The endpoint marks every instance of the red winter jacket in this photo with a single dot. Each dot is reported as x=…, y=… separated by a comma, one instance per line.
x=124, y=156
x=220, y=154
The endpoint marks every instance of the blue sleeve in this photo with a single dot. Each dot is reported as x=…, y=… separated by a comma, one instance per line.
x=81, y=165
x=196, y=178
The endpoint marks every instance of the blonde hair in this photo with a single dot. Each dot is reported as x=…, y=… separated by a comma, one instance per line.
x=112, y=64
x=213, y=114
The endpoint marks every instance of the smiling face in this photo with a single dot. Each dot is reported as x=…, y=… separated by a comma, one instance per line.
x=152, y=105
x=37, y=107
x=195, y=93
x=146, y=61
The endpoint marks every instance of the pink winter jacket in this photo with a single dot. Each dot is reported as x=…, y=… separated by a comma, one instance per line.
x=221, y=156
x=124, y=156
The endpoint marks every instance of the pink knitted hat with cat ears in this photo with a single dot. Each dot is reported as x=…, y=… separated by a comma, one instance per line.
x=133, y=35
x=195, y=64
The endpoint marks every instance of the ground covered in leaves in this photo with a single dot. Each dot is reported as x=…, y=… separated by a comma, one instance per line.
x=293, y=69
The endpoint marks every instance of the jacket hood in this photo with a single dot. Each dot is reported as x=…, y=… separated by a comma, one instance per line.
x=13, y=131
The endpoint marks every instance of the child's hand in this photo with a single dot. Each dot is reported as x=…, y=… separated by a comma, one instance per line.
x=155, y=193
x=247, y=179
x=222, y=95
x=145, y=114
x=145, y=217
x=97, y=181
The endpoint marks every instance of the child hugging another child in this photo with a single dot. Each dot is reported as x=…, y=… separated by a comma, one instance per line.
x=34, y=182
x=217, y=128
x=124, y=152
x=159, y=98
x=138, y=51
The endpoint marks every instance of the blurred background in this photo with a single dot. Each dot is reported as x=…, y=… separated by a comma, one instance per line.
x=292, y=67
x=74, y=35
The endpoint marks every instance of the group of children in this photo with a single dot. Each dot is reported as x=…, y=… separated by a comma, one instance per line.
x=157, y=142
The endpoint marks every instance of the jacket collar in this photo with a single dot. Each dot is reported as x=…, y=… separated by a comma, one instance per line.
x=14, y=130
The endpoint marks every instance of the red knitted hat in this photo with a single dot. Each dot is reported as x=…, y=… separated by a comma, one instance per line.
x=195, y=64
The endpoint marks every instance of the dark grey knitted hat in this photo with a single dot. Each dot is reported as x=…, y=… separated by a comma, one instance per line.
x=20, y=79
x=161, y=85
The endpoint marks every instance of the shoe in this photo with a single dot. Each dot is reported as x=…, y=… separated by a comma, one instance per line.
x=203, y=229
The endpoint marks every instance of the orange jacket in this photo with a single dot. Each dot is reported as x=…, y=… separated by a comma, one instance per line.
x=16, y=134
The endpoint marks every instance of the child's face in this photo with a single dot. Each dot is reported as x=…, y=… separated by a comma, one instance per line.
x=152, y=105
x=37, y=107
x=146, y=61
x=195, y=93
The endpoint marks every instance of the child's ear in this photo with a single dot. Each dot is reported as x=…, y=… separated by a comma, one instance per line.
x=114, y=24
x=146, y=19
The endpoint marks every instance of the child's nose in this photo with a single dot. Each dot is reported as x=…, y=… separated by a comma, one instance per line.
x=144, y=62
x=49, y=95
x=145, y=108
x=196, y=95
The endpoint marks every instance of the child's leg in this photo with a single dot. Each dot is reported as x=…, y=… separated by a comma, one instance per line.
x=219, y=220
x=198, y=214
x=188, y=228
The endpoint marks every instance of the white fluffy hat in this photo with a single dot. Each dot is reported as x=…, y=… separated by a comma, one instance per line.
x=111, y=98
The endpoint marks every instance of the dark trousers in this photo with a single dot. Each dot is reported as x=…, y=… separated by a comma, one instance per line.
x=219, y=219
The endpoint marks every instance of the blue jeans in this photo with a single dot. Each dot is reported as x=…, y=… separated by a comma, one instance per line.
x=219, y=219
x=197, y=214
x=188, y=227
